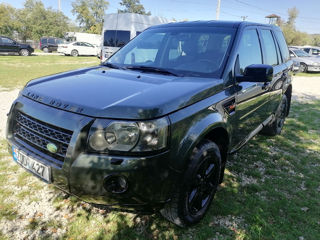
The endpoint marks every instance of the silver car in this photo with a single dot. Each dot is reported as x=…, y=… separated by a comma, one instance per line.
x=308, y=63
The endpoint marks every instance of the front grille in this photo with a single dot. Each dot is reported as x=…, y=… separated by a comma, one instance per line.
x=38, y=134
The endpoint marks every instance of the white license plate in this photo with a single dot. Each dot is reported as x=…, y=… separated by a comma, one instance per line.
x=32, y=165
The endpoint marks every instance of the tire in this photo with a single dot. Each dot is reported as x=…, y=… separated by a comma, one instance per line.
x=193, y=196
x=24, y=52
x=303, y=67
x=74, y=53
x=45, y=49
x=275, y=127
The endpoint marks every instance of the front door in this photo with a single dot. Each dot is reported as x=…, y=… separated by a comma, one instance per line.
x=252, y=98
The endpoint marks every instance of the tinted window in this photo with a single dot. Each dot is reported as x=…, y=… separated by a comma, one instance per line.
x=283, y=45
x=197, y=51
x=114, y=38
x=249, y=50
x=7, y=41
x=51, y=41
x=270, y=53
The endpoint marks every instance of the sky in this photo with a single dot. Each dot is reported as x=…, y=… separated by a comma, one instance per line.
x=254, y=10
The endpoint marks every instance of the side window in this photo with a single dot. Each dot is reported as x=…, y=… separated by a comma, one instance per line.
x=51, y=41
x=249, y=50
x=315, y=51
x=283, y=45
x=7, y=41
x=270, y=52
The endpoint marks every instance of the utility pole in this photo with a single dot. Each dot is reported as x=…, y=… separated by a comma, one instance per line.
x=59, y=6
x=218, y=10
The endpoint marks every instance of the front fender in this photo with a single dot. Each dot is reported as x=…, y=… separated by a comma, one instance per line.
x=188, y=132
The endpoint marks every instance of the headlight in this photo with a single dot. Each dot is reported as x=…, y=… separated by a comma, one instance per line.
x=140, y=136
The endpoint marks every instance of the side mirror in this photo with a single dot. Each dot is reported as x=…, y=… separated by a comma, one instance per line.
x=256, y=73
x=291, y=55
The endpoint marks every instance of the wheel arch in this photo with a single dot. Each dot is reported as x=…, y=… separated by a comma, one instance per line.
x=213, y=127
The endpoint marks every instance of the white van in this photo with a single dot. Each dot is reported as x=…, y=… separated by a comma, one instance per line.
x=94, y=39
x=119, y=28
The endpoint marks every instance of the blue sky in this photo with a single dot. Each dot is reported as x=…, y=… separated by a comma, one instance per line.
x=255, y=10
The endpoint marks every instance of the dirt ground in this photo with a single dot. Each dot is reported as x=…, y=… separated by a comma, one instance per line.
x=304, y=89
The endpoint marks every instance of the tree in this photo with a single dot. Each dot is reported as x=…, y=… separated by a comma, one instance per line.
x=90, y=14
x=133, y=6
x=291, y=34
x=36, y=21
x=8, y=20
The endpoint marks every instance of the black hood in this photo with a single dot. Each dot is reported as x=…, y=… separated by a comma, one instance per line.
x=122, y=94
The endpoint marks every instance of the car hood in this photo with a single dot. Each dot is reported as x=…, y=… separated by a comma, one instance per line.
x=123, y=94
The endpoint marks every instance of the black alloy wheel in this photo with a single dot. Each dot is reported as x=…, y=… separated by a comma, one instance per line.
x=192, y=198
x=203, y=186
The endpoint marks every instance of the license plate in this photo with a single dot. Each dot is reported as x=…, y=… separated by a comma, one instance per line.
x=32, y=165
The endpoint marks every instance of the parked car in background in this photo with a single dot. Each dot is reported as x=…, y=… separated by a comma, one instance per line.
x=315, y=51
x=79, y=49
x=151, y=128
x=10, y=46
x=308, y=63
x=50, y=44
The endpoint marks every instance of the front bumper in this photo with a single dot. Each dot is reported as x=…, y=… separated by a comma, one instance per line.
x=83, y=174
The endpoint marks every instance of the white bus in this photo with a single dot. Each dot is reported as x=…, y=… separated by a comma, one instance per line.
x=119, y=28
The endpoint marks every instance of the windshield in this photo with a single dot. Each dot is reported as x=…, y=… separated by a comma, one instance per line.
x=184, y=51
x=301, y=53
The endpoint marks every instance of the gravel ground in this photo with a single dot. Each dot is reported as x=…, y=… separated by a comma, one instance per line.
x=305, y=89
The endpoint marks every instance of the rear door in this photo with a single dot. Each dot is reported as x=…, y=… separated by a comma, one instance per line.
x=273, y=57
x=252, y=98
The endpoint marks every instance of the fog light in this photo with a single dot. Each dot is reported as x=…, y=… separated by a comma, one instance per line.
x=115, y=184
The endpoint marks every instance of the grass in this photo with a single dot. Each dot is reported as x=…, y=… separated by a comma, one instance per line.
x=271, y=188
x=16, y=71
x=311, y=74
x=271, y=191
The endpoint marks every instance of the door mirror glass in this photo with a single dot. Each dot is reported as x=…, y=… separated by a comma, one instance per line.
x=257, y=73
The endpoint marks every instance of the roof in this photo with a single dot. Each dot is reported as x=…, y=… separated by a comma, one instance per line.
x=213, y=23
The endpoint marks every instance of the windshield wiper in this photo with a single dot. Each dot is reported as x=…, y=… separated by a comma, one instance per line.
x=111, y=65
x=153, y=69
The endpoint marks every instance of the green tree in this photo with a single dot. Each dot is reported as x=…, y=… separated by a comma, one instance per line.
x=8, y=20
x=36, y=21
x=291, y=34
x=90, y=14
x=133, y=6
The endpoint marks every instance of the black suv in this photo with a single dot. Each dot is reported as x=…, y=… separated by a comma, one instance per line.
x=50, y=44
x=10, y=46
x=152, y=127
